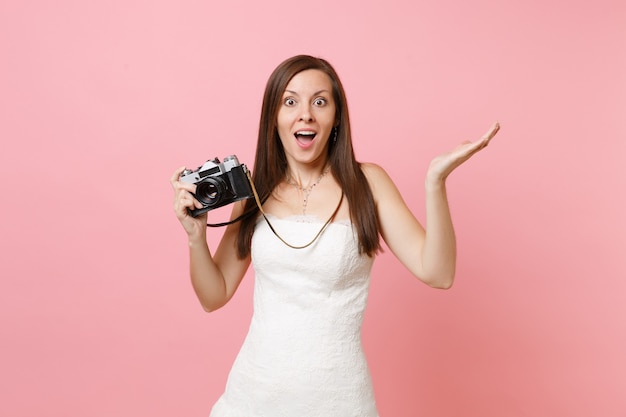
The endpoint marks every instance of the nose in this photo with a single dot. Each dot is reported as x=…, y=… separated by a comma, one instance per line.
x=306, y=115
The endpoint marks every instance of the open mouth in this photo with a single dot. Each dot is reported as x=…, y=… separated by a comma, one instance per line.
x=305, y=137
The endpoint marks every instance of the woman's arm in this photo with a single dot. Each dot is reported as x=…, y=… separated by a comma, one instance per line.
x=214, y=278
x=430, y=254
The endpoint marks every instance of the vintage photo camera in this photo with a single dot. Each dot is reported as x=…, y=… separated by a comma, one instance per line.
x=218, y=183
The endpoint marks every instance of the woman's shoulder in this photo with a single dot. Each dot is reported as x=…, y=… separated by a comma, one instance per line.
x=374, y=173
x=379, y=181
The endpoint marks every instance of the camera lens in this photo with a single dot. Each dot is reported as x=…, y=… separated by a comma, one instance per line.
x=210, y=191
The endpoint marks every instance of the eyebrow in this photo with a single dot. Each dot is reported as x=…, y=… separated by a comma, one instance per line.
x=316, y=93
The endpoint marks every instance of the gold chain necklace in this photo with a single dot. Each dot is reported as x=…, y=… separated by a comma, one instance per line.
x=307, y=190
x=260, y=206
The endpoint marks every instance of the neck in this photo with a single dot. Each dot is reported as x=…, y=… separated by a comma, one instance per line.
x=306, y=190
x=305, y=177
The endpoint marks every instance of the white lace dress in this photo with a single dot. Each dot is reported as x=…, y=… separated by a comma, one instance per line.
x=303, y=355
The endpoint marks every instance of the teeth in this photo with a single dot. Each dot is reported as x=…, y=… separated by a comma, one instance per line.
x=305, y=133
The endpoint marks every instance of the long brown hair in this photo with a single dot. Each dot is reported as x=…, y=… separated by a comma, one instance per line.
x=270, y=164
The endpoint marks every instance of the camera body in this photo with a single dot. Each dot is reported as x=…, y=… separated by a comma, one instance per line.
x=218, y=183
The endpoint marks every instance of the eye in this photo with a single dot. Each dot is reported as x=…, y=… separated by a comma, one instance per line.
x=289, y=101
x=319, y=101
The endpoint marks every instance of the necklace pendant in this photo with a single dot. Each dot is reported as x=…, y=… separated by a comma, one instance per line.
x=307, y=190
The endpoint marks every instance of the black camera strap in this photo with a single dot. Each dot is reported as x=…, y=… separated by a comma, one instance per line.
x=241, y=217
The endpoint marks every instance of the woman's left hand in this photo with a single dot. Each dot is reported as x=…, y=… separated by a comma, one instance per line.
x=442, y=165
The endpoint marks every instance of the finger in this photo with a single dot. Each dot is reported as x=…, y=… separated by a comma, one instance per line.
x=485, y=139
x=467, y=148
x=176, y=175
x=188, y=200
x=182, y=198
x=181, y=185
x=490, y=133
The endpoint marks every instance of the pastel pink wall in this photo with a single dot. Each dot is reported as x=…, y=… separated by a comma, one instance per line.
x=101, y=101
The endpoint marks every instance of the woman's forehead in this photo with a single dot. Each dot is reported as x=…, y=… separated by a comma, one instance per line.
x=312, y=80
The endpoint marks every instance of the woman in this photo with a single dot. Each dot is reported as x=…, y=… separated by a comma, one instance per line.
x=312, y=250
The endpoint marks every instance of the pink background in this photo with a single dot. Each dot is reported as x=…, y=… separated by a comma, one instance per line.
x=101, y=100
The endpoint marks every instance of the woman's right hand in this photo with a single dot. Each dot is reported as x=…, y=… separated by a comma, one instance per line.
x=185, y=201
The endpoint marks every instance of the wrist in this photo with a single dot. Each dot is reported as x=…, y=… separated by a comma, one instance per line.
x=434, y=183
x=197, y=241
